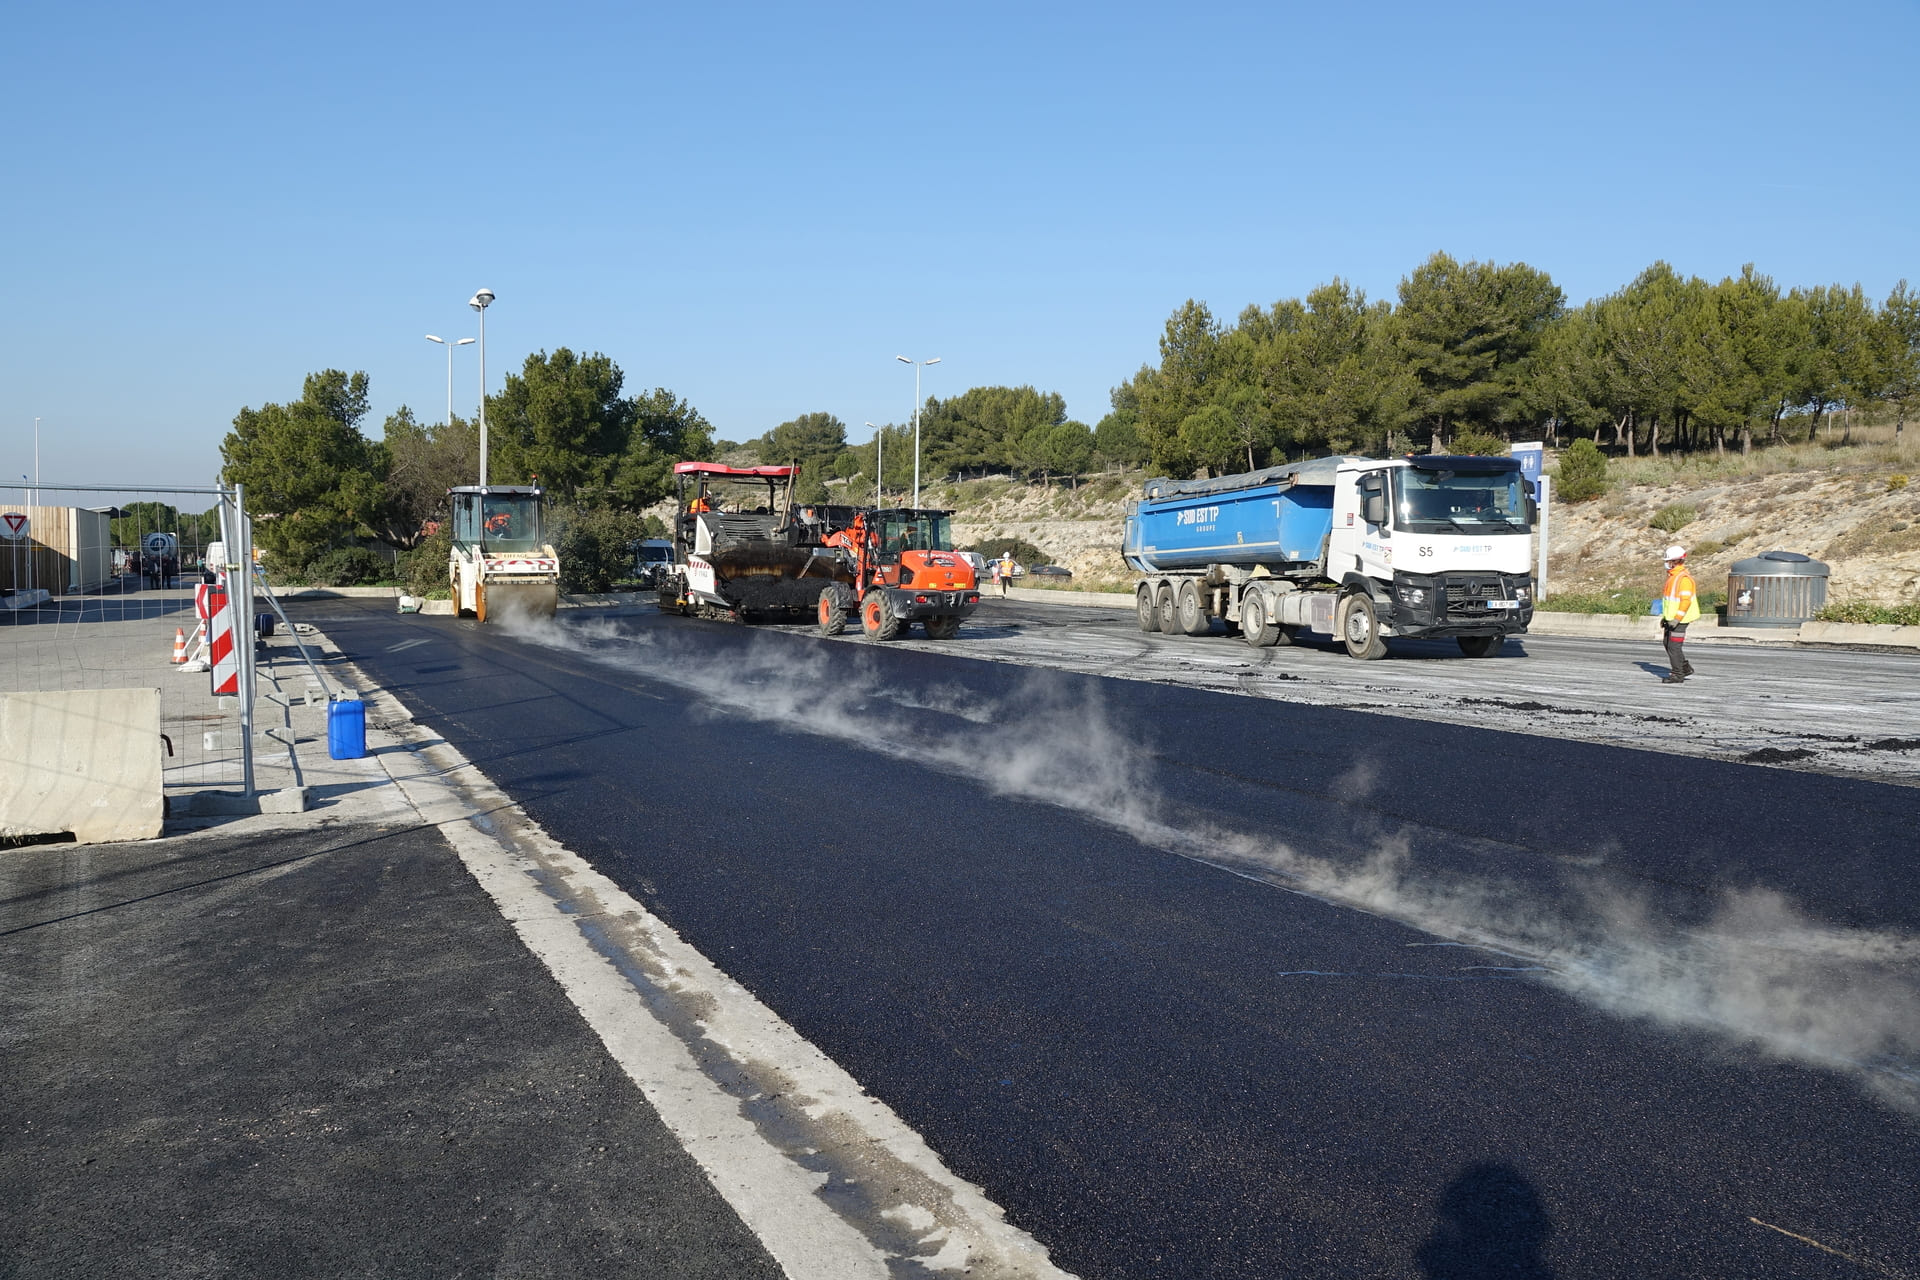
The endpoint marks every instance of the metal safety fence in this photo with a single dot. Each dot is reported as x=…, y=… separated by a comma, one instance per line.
x=128, y=587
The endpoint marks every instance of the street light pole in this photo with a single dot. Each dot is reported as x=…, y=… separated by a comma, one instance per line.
x=917, y=367
x=460, y=342
x=479, y=302
x=879, y=465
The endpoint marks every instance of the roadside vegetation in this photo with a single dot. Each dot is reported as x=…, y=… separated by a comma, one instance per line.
x=1670, y=381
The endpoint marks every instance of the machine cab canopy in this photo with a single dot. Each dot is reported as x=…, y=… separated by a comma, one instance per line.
x=498, y=517
x=709, y=486
x=906, y=529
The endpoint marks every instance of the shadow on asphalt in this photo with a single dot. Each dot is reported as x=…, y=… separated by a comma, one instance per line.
x=1491, y=1222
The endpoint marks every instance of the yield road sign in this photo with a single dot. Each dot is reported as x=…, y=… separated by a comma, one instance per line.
x=13, y=525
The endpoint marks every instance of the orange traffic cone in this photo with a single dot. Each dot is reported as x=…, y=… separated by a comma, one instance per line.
x=179, y=647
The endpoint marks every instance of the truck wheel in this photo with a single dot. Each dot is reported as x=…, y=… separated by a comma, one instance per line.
x=1143, y=604
x=1480, y=646
x=1193, y=618
x=833, y=612
x=943, y=628
x=1164, y=611
x=1255, y=626
x=877, y=618
x=1360, y=629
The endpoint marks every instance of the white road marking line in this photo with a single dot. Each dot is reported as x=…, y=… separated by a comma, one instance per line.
x=847, y=1188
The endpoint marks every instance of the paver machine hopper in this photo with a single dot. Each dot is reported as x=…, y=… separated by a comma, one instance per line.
x=744, y=550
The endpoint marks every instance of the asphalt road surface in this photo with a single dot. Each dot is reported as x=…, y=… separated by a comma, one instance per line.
x=1199, y=985
x=1844, y=711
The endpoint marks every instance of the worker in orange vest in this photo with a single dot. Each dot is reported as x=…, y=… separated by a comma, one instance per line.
x=1679, y=605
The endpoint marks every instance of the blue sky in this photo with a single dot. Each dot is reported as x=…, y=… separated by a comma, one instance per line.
x=759, y=206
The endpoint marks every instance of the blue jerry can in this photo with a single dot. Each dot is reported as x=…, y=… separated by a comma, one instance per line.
x=346, y=729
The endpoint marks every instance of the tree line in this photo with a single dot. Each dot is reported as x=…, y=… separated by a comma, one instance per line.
x=319, y=484
x=1472, y=355
x=1467, y=357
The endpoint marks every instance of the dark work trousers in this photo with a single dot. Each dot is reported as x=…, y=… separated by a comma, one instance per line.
x=1676, y=643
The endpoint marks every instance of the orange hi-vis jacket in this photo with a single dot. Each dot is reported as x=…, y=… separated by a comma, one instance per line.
x=1678, y=604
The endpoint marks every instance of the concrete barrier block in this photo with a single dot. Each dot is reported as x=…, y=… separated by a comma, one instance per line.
x=85, y=761
x=1860, y=633
x=1615, y=625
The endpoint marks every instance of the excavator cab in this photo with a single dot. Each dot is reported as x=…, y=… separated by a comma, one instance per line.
x=900, y=531
x=905, y=571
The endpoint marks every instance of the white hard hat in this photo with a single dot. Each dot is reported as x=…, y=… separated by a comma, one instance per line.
x=1676, y=552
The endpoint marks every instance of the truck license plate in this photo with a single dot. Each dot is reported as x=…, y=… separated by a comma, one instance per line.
x=1503, y=604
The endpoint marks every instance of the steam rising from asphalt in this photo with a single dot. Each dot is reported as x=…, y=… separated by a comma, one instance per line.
x=1759, y=972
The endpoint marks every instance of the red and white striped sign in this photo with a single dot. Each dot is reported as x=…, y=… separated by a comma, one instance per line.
x=220, y=651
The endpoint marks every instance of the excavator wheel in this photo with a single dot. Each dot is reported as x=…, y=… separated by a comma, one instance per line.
x=833, y=611
x=877, y=618
x=944, y=628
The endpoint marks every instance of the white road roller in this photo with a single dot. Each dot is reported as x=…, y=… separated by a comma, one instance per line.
x=501, y=562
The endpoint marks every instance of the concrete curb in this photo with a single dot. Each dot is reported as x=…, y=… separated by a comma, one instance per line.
x=26, y=599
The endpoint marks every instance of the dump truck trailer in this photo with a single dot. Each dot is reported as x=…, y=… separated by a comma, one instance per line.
x=1357, y=548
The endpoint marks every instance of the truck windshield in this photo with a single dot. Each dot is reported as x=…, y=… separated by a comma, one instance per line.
x=915, y=533
x=1451, y=501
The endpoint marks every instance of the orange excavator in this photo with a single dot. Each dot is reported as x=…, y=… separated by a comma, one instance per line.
x=905, y=571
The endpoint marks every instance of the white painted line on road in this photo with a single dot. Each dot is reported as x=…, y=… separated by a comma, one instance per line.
x=832, y=1181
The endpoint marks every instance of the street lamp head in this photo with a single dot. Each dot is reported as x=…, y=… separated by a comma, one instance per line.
x=935, y=360
x=480, y=300
x=903, y=360
x=463, y=342
x=441, y=341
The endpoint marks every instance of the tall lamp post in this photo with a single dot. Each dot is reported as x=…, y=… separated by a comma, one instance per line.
x=879, y=465
x=918, y=365
x=479, y=302
x=460, y=342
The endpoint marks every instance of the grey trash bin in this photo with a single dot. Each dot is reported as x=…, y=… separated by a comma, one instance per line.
x=1775, y=589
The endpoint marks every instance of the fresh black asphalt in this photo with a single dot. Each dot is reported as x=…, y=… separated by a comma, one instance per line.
x=1163, y=1069
x=317, y=1053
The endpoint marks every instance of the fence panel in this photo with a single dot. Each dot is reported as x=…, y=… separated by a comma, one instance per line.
x=94, y=593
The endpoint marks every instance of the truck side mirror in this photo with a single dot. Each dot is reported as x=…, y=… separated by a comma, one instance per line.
x=1373, y=508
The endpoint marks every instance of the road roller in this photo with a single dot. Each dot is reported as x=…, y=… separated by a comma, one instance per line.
x=501, y=564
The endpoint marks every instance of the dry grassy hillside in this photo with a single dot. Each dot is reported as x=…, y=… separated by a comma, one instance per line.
x=1852, y=507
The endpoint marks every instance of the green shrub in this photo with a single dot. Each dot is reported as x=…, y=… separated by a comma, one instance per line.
x=1583, y=473
x=1895, y=483
x=1478, y=442
x=423, y=570
x=1899, y=615
x=594, y=545
x=1628, y=602
x=1023, y=551
x=1673, y=518
x=348, y=567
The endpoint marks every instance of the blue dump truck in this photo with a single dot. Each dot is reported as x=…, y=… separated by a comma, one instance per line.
x=1361, y=549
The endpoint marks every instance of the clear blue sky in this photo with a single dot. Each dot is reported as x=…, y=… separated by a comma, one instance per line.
x=759, y=206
